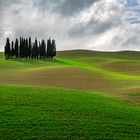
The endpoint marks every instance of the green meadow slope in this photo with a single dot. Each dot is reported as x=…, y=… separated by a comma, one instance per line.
x=55, y=113
x=80, y=95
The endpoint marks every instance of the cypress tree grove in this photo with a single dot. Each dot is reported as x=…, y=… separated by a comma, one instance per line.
x=25, y=48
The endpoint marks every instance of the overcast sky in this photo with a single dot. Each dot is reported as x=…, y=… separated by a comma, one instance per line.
x=103, y=25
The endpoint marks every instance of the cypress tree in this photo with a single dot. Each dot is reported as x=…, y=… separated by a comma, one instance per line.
x=53, y=49
x=33, y=51
x=7, y=49
x=26, y=48
x=30, y=47
x=49, y=48
x=16, y=49
x=21, y=48
x=40, y=50
x=43, y=48
x=12, y=50
x=36, y=49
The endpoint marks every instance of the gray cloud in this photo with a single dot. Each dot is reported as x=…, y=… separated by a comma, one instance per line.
x=70, y=7
x=92, y=27
x=100, y=24
x=64, y=7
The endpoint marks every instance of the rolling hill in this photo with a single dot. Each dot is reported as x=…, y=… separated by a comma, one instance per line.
x=79, y=95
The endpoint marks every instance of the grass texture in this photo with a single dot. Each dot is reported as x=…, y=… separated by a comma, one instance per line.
x=79, y=95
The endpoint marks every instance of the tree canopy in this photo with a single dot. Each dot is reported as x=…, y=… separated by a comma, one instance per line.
x=25, y=48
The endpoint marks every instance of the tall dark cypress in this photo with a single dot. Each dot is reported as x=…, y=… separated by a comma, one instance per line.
x=16, y=49
x=26, y=48
x=40, y=50
x=43, y=48
x=49, y=48
x=36, y=49
x=21, y=48
x=30, y=48
x=53, y=49
x=33, y=51
x=12, y=52
x=7, y=49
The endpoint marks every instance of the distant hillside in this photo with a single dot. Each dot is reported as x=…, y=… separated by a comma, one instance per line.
x=87, y=53
x=130, y=55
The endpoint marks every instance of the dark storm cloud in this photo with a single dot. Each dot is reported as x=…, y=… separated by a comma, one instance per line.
x=65, y=7
x=91, y=28
x=70, y=7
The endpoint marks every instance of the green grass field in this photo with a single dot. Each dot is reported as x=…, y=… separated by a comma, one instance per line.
x=80, y=95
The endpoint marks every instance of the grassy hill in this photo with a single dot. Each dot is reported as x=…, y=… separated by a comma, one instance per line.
x=80, y=95
x=54, y=113
x=131, y=55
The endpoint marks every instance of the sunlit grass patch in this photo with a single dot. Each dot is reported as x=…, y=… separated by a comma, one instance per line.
x=42, y=112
